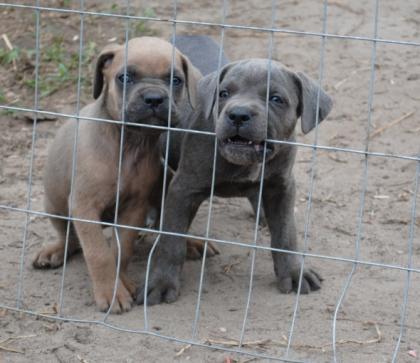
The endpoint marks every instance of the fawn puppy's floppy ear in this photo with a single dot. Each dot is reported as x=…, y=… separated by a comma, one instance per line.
x=308, y=91
x=192, y=76
x=104, y=60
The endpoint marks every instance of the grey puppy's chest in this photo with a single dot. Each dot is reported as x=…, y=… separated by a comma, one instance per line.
x=251, y=174
x=234, y=181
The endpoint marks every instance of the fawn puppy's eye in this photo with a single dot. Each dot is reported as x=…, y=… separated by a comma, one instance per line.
x=176, y=81
x=128, y=78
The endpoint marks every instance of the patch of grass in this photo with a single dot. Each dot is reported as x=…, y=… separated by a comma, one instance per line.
x=114, y=8
x=9, y=56
x=3, y=101
x=142, y=27
x=89, y=51
x=16, y=56
x=53, y=81
x=58, y=67
x=55, y=52
x=12, y=113
x=2, y=97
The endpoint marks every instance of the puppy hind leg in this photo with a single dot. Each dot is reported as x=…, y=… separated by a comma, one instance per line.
x=52, y=255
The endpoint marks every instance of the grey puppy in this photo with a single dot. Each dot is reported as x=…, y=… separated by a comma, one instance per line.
x=238, y=116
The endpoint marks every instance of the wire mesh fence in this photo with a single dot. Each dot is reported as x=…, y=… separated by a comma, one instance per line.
x=356, y=261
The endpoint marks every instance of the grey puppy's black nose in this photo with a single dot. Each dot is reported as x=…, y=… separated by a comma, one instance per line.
x=153, y=99
x=239, y=115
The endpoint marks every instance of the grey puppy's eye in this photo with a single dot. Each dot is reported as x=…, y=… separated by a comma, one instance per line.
x=127, y=77
x=277, y=99
x=223, y=94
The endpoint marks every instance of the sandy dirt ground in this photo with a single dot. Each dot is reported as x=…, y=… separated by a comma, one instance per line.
x=368, y=323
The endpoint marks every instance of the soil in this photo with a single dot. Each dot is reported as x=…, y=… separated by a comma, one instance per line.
x=368, y=322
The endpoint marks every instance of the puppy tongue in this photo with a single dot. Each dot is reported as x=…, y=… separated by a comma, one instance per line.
x=258, y=147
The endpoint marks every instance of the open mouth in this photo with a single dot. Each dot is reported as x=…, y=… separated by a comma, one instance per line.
x=240, y=141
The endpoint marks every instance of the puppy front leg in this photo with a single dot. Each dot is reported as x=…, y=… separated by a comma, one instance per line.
x=279, y=201
x=181, y=206
x=134, y=215
x=100, y=262
x=195, y=247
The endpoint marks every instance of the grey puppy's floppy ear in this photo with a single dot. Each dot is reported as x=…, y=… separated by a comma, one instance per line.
x=208, y=88
x=308, y=95
x=104, y=60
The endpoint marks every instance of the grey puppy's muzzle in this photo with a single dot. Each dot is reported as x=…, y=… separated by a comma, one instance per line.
x=242, y=131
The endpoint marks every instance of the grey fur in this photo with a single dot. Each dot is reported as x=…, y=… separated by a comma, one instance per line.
x=202, y=51
x=241, y=113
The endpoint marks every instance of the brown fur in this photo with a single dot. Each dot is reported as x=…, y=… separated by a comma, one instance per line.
x=98, y=148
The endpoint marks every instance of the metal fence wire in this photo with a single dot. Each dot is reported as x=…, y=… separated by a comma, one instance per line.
x=365, y=153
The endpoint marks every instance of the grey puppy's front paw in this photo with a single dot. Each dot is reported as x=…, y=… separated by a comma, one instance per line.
x=311, y=281
x=163, y=286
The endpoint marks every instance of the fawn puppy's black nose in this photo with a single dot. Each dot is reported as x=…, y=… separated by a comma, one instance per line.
x=153, y=99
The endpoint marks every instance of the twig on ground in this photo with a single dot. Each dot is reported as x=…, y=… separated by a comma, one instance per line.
x=411, y=96
x=345, y=7
x=333, y=156
x=377, y=339
x=235, y=343
x=10, y=339
x=182, y=350
x=344, y=80
x=265, y=342
x=357, y=26
x=12, y=350
x=227, y=268
x=380, y=130
x=322, y=347
x=82, y=360
x=53, y=310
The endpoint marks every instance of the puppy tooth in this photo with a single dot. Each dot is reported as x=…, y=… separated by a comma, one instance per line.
x=249, y=142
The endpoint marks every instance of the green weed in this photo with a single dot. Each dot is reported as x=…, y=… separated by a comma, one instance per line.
x=142, y=27
x=9, y=56
x=2, y=97
x=55, y=52
x=3, y=101
x=59, y=66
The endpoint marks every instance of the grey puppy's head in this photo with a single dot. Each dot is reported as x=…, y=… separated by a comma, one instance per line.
x=242, y=119
x=147, y=78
